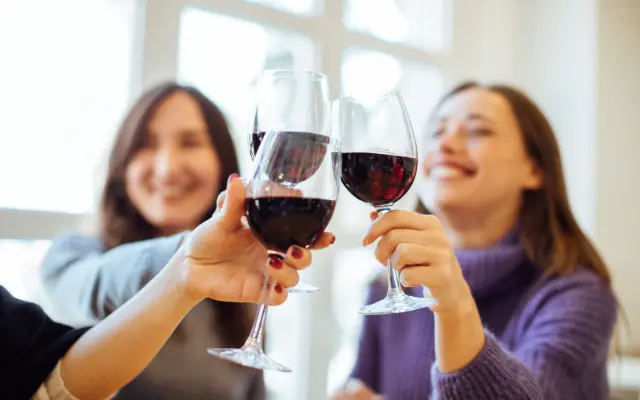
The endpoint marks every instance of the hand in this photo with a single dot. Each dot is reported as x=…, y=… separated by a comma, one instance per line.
x=418, y=248
x=223, y=260
x=356, y=390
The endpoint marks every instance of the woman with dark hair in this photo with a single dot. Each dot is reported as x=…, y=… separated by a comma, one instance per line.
x=170, y=160
x=44, y=360
x=524, y=306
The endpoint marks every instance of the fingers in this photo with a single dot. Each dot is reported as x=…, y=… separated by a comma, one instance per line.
x=326, y=240
x=298, y=257
x=233, y=204
x=278, y=294
x=387, y=245
x=399, y=219
x=433, y=278
x=282, y=273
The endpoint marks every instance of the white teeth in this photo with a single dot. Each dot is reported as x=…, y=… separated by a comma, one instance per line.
x=442, y=171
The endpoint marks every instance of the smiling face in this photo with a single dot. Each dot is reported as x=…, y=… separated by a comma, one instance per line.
x=173, y=179
x=476, y=158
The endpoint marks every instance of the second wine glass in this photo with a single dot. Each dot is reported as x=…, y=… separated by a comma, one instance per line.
x=297, y=104
x=379, y=165
x=281, y=216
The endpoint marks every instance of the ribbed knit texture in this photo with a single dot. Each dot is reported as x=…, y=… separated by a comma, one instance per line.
x=545, y=339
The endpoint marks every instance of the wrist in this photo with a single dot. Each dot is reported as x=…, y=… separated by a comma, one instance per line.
x=178, y=278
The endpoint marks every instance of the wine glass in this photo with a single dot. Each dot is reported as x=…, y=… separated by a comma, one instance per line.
x=281, y=216
x=296, y=102
x=379, y=164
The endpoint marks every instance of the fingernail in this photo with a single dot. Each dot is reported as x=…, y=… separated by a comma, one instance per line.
x=275, y=263
x=333, y=240
x=232, y=177
x=296, y=252
x=278, y=288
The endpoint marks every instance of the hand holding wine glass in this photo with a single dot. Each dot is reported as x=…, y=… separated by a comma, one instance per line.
x=379, y=165
x=223, y=260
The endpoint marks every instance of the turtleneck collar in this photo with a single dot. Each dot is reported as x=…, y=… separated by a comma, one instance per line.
x=488, y=270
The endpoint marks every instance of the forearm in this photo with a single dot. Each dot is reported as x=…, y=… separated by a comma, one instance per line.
x=459, y=337
x=115, y=351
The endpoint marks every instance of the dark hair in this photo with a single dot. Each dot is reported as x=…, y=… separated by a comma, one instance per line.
x=550, y=233
x=121, y=222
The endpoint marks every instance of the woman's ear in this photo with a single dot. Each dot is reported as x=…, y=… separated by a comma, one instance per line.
x=534, y=178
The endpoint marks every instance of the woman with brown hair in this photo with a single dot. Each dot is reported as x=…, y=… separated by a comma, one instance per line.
x=171, y=158
x=524, y=307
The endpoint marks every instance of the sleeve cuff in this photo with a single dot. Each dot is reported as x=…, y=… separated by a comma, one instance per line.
x=53, y=387
x=486, y=377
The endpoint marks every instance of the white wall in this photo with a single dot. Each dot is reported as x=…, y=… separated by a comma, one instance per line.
x=618, y=144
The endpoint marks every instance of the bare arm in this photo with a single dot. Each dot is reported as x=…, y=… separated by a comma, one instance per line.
x=102, y=361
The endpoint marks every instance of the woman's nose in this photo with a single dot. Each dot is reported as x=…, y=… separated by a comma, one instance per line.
x=167, y=163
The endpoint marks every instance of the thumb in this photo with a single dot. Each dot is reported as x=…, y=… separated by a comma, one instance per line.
x=233, y=207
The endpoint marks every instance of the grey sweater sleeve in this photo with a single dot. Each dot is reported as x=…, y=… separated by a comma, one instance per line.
x=84, y=283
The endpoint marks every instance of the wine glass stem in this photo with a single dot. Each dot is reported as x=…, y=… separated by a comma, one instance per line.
x=255, y=337
x=394, y=287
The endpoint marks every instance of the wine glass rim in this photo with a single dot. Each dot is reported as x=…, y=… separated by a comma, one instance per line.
x=381, y=95
x=294, y=72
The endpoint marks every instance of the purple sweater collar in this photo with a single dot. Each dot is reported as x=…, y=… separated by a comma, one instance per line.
x=487, y=270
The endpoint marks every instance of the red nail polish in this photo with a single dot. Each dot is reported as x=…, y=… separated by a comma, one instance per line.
x=296, y=252
x=232, y=177
x=275, y=263
x=278, y=288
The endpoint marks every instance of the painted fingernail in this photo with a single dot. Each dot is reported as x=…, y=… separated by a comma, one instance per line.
x=296, y=252
x=275, y=263
x=232, y=177
x=278, y=288
x=333, y=240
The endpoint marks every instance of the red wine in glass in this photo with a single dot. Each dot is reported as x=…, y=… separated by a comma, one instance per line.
x=376, y=178
x=282, y=222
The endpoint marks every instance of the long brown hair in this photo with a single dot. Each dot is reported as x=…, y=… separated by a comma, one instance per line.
x=121, y=222
x=550, y=233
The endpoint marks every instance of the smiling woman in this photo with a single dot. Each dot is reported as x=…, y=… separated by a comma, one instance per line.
x=171, y=158
x=174, y=176
x=524, y=304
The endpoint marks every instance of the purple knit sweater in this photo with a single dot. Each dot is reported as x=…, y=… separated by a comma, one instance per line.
x=545, y=339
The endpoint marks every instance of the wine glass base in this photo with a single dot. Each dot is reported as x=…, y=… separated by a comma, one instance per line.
x=249, y=357
x=302, y=287
x=397, y=303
